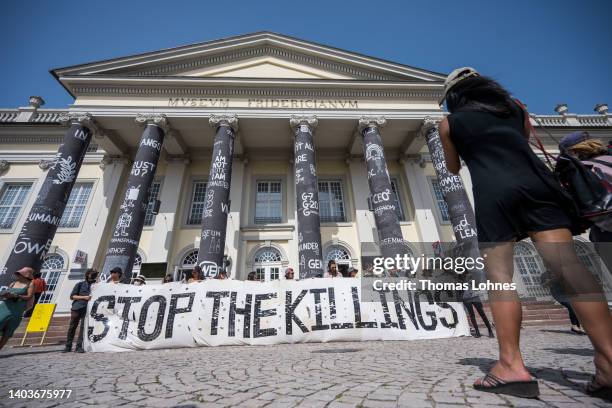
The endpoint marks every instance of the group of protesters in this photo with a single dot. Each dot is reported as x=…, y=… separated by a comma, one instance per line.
x=516, y=197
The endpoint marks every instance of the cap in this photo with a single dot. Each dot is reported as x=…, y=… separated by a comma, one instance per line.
x=117, y=269
x=140, y=278
x=573, y=139
x=457, y=76
x=353, y=269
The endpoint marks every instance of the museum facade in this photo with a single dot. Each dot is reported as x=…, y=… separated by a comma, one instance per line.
x=274, y=125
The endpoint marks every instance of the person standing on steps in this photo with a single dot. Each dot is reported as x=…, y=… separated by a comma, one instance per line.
x=80, y=295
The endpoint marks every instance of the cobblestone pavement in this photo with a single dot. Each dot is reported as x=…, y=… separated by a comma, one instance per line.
x=427, y=373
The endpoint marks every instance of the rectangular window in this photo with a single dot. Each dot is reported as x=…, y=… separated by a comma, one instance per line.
x=398, y=202
x=198, y=198
x=77, y=203
x=269, y=202
x=11, y=201
x=435, y=185
x=331, y=201
x=153, y=195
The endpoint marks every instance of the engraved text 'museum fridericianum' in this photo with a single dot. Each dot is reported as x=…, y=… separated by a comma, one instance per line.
x=266, y=103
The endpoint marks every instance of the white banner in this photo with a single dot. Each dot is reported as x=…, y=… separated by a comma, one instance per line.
x=227, y=312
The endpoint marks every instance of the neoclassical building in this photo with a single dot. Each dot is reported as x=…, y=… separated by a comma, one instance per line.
x=266, y=94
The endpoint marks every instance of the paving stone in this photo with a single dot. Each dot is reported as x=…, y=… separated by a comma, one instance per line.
x=415, y=374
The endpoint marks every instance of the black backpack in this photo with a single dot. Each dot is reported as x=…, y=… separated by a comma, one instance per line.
x=586, y=188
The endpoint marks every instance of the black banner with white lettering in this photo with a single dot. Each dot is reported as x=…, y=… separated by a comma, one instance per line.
x=307, y=197
x=39, y=228
x=216, y=205
x=123, y=246
x=460, y=210
x=390, y=237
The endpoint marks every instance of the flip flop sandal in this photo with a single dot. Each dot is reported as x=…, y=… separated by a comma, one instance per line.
x=595, y=389
x=495, y=385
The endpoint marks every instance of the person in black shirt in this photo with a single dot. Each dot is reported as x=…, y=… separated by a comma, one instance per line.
x=516, y=196
x=80, y=296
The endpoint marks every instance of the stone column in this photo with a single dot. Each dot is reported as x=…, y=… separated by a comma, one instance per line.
x=364, y=218
x=391, y=241
x=96, y=224
x=40, y=226
x=125, y=237
x=232, y=239
x=307, y=198
x=164, y=229
x=216, y=208
x=424, y=205
x=460, y=211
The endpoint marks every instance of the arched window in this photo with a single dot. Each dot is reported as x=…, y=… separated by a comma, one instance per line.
x=590, y=261
x=190, y=259
x=341, y=255
x=53, y=262
x=267, y=264
x=527, y=261
x=337, y=253
x=50, y=271
x=267, y=255
x=186, y=264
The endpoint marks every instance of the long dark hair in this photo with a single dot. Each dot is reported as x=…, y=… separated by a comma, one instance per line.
x=480, y=94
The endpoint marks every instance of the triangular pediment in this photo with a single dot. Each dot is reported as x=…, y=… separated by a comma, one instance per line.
x=265, y=67
x=259, y=55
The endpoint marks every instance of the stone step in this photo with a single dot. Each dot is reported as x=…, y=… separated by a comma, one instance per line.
x=547, y=322
x=55, y=335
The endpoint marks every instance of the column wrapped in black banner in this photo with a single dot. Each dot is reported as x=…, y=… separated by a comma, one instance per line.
x=123, y=245
x=460, y=210
x=43, y=219
x=390, y=238
x=216, y=206
x=307, y=198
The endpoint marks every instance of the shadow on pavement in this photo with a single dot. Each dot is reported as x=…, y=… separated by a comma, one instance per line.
x=565, y=378
x=7, y=355
x=585, y=352
x=559, y=331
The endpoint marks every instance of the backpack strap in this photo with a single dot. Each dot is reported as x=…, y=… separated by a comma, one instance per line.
x=532, y=133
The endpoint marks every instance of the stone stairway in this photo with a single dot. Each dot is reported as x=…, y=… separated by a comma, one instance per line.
x=56, y=334
x=535, y=313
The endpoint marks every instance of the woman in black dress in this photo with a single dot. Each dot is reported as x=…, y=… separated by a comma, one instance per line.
x=516, y=197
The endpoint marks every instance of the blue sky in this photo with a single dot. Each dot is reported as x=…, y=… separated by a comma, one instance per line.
x=545, y=52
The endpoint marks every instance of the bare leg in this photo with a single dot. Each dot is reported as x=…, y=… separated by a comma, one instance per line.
x=4, y=339
x=507, y=315
x=483, y=316
x=557, y=250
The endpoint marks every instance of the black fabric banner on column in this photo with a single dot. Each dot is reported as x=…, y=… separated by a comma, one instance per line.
x=40, y=226
x=307, y=199
x=391, y=240
x=123, y=245
x=460, y=210
x=216, y=206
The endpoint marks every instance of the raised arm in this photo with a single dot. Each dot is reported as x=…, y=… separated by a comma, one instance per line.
x=453, y=164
